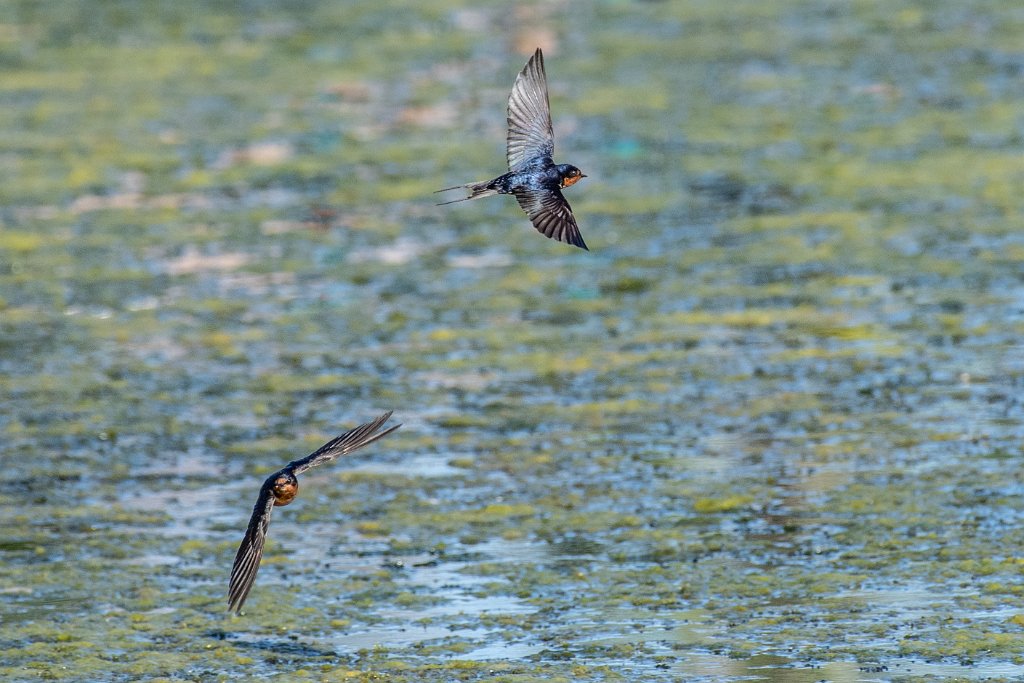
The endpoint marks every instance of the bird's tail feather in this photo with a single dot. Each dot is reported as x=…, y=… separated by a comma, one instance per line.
x=476, y=190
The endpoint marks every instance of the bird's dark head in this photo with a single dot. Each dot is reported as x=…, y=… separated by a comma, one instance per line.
x=284, y=488
x=569, y=174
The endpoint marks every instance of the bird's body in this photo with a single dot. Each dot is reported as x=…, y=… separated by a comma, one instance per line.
x=280, y=489
x=534, y=178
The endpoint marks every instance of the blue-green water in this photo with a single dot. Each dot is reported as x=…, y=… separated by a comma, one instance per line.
x=768, y=428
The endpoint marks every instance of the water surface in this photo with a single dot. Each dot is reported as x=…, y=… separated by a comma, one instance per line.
x=767, y=429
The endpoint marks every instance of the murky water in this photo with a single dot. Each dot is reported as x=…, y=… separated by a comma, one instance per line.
x=768, y=428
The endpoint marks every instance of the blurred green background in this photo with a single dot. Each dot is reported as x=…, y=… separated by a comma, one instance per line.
x=768, y=427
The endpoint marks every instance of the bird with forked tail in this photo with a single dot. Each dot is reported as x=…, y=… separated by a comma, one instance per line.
x=533, y=177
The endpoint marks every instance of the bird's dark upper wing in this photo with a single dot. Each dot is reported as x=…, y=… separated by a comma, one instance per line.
x=247, y=560
x=529, y=116
x=346, y=443
x=551, y=215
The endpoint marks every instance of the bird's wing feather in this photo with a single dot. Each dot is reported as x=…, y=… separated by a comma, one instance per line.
x=247, y=559
x=551, y=215
x=351, y=440
x=529, y=116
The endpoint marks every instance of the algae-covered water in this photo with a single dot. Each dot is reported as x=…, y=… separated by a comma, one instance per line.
x=768, y=428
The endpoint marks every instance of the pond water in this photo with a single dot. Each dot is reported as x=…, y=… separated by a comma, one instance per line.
x=768, y=428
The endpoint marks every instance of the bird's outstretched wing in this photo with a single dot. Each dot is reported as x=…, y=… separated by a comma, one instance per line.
x=529, y=116
x=351, y=440
x=247, y=559
x=551, y=215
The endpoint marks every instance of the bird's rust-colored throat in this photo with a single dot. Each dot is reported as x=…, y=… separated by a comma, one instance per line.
x=285, y=491
x=572, y=180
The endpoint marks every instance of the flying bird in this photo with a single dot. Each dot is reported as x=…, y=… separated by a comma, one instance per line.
x=533, y=177
x=280, y=488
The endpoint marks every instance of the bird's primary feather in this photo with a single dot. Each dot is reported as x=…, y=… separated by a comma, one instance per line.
x=247, y=559
x=551, y=215
x=530, y=133
x=352, y=440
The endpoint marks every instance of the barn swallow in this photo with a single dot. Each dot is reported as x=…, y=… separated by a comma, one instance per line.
x=280, y=488
x=532, y=176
